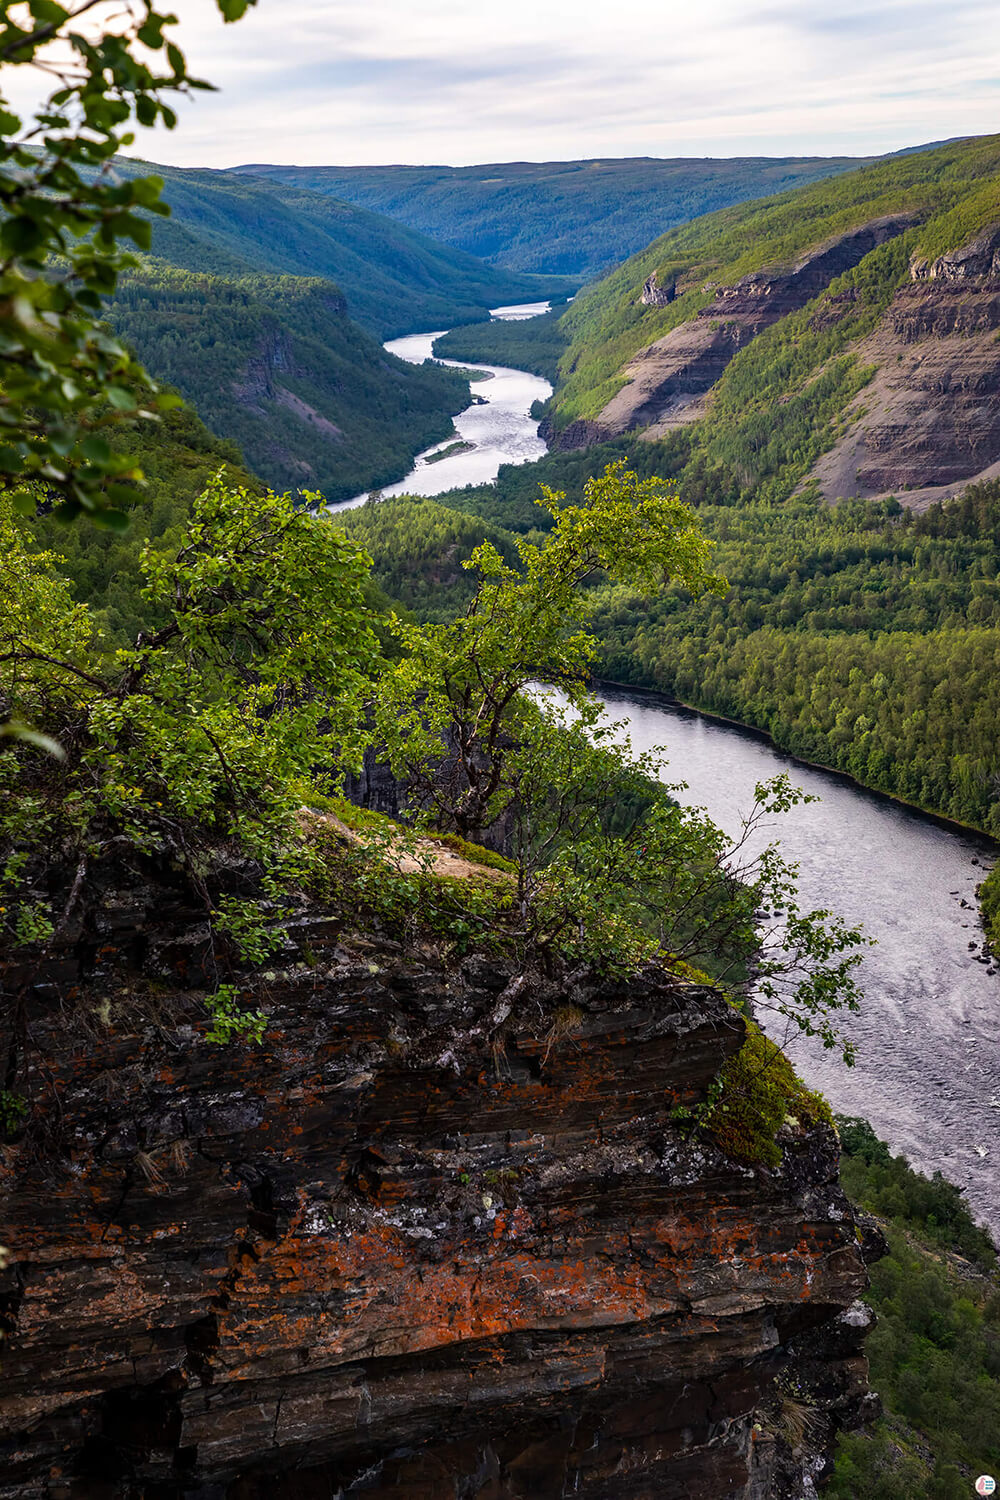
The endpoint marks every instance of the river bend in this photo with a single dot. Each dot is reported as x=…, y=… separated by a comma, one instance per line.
x=928, y=1035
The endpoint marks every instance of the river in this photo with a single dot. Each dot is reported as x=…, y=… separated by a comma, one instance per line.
x=501, y=430
x=928, y=1034
x=928, y=1068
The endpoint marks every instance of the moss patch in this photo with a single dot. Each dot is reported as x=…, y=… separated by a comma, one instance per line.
x=759, y=1090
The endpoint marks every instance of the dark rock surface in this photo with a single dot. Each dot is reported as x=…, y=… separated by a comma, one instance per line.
x=439, y=1236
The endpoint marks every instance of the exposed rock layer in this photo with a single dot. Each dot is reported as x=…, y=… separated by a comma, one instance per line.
x=668, y=381
x=929, y=421
x=440, y=1235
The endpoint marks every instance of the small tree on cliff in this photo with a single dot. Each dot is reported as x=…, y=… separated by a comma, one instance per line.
x=462, y=684
x=610, y=869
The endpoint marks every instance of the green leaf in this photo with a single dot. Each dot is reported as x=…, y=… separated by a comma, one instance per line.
x=121, y=398
x=96, y=450
x=48, y=12
x=232, y=10
x=111, y=520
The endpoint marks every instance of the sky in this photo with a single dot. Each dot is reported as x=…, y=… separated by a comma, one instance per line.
x=358, y=82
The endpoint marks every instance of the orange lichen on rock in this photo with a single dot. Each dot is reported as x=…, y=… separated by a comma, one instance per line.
x=372, y=1247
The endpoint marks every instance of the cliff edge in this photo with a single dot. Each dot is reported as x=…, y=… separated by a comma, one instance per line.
x=444, y=1232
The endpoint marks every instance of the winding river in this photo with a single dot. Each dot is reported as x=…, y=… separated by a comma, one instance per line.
x=498, y=425
x=928, y=1036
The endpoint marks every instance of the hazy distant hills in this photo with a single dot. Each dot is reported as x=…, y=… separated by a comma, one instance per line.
x=395, y=280
x=570, y=218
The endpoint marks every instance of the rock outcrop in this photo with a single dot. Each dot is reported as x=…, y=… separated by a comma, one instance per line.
x=442, y=1234
x=980, y=257
x=668, y=381
x=929, y=420
x=654, y=295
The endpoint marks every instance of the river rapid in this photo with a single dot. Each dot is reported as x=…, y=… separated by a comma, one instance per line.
x=928, y=1035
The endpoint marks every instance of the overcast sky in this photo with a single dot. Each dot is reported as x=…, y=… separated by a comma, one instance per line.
x=365, y=81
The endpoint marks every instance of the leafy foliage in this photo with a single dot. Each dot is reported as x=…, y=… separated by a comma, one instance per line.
x=476, y=753
x=203, y=734
x=230, y=1022
x=102, y=567
x=861, y=636
x=66, y=380
x=462, y=681
x=935, y=1353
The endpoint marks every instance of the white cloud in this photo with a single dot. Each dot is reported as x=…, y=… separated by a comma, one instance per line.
x=454, y=81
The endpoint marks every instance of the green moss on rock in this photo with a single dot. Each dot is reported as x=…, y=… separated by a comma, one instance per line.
x=758, y=1090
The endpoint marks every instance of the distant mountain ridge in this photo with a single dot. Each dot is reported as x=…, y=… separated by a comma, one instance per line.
x=395, y=280
x=570, y=218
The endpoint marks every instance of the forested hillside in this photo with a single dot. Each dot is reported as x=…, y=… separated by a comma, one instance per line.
x=935, y=1351
x=395, y=280
x=760, y=325
x=535, y=344
x=275, y=363
x=567, y=217
x=861, y=636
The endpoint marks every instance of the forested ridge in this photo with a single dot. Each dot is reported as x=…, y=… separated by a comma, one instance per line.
x=265, y=306
x=276, y=364
x=395, y=279
x=567, y=217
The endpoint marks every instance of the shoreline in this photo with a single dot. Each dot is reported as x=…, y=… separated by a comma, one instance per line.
x=951, y=825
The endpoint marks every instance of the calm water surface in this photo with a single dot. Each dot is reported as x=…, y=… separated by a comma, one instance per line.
x=928, y=1036
x=502, y=430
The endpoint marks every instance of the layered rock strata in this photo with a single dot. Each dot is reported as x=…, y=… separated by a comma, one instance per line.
x=442, y=1234
x=667, y=382
x=929, y=420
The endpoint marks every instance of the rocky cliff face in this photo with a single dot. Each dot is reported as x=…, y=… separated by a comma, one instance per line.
x=926, y=424
x=668, y=381
x=442, y=1234
x=929, y=421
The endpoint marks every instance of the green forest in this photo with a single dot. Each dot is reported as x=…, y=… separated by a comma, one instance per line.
x=534, y=344
x=394, y=279
x=861, y=636
x=275, y=364
x=573, y=218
